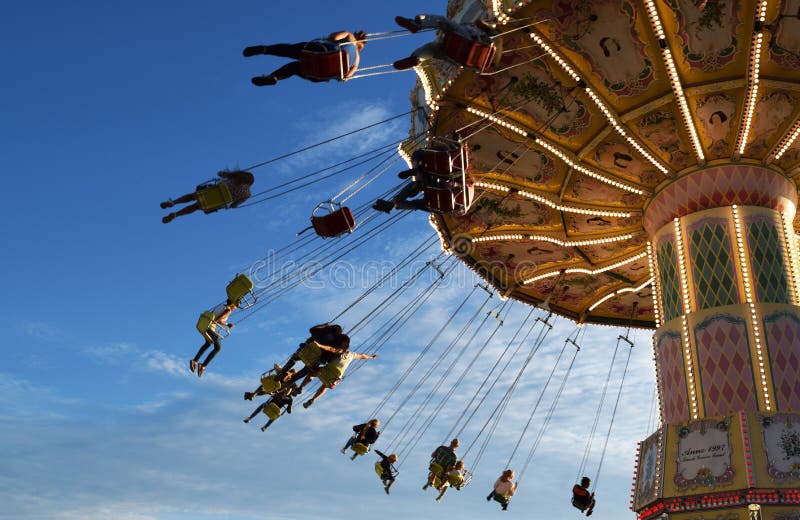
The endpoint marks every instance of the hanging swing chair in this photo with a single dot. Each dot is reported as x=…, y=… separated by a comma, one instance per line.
x=240, y=291
x=272, y=411
x=338, y=221
x=446, y=188
x=206, y=323
x=468, y=53
x=213, y=195
x=321, y=63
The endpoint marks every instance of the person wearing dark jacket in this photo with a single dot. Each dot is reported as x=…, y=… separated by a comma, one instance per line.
x=365, y=434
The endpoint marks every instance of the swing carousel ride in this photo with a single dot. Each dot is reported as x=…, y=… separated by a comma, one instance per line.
x=641, y=159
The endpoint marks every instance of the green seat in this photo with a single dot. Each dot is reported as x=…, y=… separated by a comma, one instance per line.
x=360, y=448
x=272, y=411
x=309, y=353
x=214, y=197
x=436, y=468
x=240, y=291
x=379, y=469
x=329, y=374
x=270, y=383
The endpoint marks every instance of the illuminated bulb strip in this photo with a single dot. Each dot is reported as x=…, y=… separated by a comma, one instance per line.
x=584, y=170
x=402, y=153
x=752, y=83
x=760, y=357
x=682, y=267
x=612, y=119
x=656, y=286
x=790, y=246
x=618, y=292
x=580, y=270
x=426, y=85
x=553, y=240
x=745, y=268
x=788, y=141
x=687, y=354
x=550, y=203
x=677, y=88
x=561, y=154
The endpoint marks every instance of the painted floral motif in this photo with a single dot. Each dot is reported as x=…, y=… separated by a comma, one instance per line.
x=782, y=443
x=491, y=210
x=536, y=93
x=715, y=113
x=708, y=31
x=604, y=32
x=661, y=129
x=516, y=260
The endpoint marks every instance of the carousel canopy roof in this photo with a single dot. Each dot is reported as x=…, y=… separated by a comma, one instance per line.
x=588, y=110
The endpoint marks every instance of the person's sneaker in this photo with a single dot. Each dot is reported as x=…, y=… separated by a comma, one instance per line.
x=505, y=507
x=405, y=174
x=253, y=51
x=407, y=24
x=425, y=487
x=200, y=369
x=248, y=396
x=246, y=421
x=354, y=456
x=192, y=365
x=264, y=81
x=406, y=63
x=589, y=512
x=169, y=218
x=264, y=428
x=489, y=498
x=439, y=498
x=308, y=403
x=167, y=204
x=386, y=488
x=343, y=450
x=383, y=205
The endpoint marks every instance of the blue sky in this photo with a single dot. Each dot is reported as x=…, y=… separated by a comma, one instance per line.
x=109, y=108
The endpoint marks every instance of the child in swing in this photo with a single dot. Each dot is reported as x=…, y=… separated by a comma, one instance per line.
x=582, y=498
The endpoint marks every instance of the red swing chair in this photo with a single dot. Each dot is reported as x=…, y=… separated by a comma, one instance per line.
x=338, y=221
x=322, y=64
x=446, y=188
x=468, y=53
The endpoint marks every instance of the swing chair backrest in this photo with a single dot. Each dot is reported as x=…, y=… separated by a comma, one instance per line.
x=320, y=63
x=329, y=374
x=309, y=353
x=270, y=383
x=360, y=448
x=206, y=322
x=239, y=290
x=336, y=222
x=452, y=200
x=213, y=196
x=442, y=162
x=468, y=53
x=272, y=411
x=580, y=505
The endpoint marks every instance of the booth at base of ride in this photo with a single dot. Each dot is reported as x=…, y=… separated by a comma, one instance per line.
x=714, y=468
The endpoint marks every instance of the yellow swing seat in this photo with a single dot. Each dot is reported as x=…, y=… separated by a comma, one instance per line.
x=379, y=469
x=240, y=291
x=272, y=411
x=436, y=468
x=214, y=196
x=360, y=448
x=329, y=374
x=270, y=383
x=309, y=353
x=206, y=322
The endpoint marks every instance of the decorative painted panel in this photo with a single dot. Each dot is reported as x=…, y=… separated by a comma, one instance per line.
x=668, y=278
x=712, y=264
x=726, y=372
x=767, y=261
x=782, y=334
x=674, y=397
